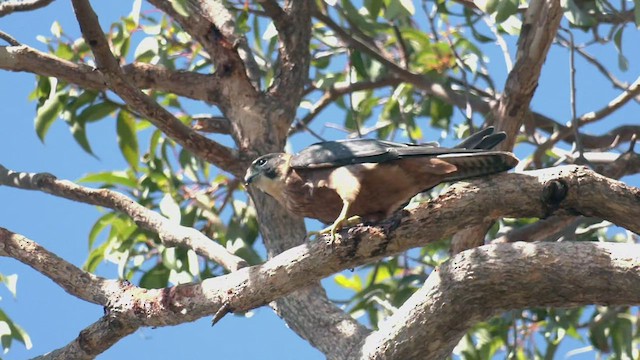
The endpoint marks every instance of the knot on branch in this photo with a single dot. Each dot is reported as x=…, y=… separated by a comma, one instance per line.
x=553, y=193
x=42, y=179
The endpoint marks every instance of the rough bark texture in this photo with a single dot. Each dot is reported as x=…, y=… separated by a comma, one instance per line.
x=470, y=287
x=565, y=190
x=540, y=24
x=484, y=281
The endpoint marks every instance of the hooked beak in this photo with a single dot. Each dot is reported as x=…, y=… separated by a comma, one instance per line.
x=248, y=179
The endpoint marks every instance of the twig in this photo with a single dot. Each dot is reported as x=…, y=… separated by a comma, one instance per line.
x=7, y=7
x=9, y=39
x=94, y=339
x=593, y=61
x=501, y=42
x=431, y=87
x=613, y=105
x=336, y=91
x=572, y=95
x=354, y=113
x=211, y=151
x=170, y=234
x=224, y=310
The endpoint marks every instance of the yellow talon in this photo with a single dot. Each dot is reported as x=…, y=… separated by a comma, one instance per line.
x=335, y=227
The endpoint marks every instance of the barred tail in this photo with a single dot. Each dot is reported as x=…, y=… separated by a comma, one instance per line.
x=479, y=163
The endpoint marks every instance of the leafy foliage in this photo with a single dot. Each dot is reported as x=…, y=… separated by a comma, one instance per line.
x=441, y=40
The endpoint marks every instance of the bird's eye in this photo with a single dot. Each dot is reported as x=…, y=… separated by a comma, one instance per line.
x=261, y=162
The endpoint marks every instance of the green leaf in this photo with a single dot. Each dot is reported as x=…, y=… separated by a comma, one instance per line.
x=358, y=64
x=506, y=8
x=110, y=178
x=181, y=7
x=147, y=49
x=576, y=15
x=399, y=9
x=97, y=111
x=156, y=278
x=79, y=132
x=408, y=6
x=100, y=225
x=10, y=330
x=623, y=63
x=636, y=12
x=170, y=209
x=11, y=282
x=127, y=139
x=95, y=257
x=48, y=113
x=373, y=7
x=354, y=283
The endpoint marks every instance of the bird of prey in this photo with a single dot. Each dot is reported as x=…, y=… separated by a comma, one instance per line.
x=334, y=180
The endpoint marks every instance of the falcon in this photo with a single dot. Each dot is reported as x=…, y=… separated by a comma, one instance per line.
x=343, y=181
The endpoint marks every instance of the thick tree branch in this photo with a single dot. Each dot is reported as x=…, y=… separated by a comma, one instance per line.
x=211, y=151
x=76, y=282
x=212, y=124
x=292, y=69
x=273, y=10
x=215, y=12
x=484, y=281
x=170, y=234
x=7, y=7
x=144, y=76
x=568, y=190
x=552, y=227
x=541, y=21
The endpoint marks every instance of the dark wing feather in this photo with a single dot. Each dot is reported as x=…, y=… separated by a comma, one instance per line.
x=358, y=151
x=345, y=152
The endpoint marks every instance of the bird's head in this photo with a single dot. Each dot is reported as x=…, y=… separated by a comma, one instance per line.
x=268, y=172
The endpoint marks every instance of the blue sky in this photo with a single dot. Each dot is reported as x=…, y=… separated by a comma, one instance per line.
x=53, y=318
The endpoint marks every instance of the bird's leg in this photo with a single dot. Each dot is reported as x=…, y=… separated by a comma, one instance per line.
x=342, y=218
x=339, y=223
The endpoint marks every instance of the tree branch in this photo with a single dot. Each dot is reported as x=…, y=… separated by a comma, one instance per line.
x=76, y=282
x=144, y=76
x=273, y=10
x=215, y=12
x=7, y=7
x=485, y=281
x=93, y=340
x=211, y=151
x=212, y=124
x=334, y=93
x=170, y=234
x=541, y=21
x=293, y=65
x=613, y=105
x=431, y=87
x=568, y=190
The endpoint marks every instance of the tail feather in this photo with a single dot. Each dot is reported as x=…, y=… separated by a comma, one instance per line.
x=476, y=164
x=484, y=139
